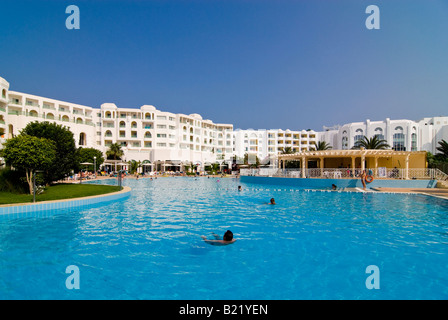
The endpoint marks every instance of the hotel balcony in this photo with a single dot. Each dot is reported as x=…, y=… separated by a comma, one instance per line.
x=15, y=102
x=3, y=98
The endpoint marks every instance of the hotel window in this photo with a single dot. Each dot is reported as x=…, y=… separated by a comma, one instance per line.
x=379, y=133
x=414, y=142
x=161, y=126
x=399, y=140
x=161, y=135
x=398, y=144
x=344, y=143
x=359, y=135
x=161, y=117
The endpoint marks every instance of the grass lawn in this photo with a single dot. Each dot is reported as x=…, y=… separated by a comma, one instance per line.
x=58, y=192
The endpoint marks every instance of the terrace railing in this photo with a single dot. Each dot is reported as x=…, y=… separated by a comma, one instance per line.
x=338, y=173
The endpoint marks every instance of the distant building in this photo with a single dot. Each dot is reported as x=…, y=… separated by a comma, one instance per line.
x=265, y=143
x=401, y=135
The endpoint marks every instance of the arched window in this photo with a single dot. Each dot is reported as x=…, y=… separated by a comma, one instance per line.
x=414, y=142
x=108, y=114
x=148, y=135
x=122, y=124
x=50, y=116
x=399, y=140
x=10, y=131
x=134, y=124
x=65, y=118
x=379, y=133
x=4, y=93
x=147, y=116
x=33, y=113
x=359, y=135
x=79, y=120
x=108, y=133
x=82, y=139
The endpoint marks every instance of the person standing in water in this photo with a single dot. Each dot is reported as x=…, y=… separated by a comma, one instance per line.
x=363, y=179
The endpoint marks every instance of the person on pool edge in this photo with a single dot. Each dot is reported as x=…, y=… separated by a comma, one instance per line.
x=226, y=239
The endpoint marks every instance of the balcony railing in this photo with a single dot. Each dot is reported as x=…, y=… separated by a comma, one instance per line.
x=332, y=173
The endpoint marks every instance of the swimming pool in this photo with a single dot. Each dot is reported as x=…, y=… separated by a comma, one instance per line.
x=311, y=245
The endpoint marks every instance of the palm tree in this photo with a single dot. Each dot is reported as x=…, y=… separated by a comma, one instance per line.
x=287, y=150
x=373, y=143
x=134, y=165
x=322, y=145
x=115, y=151
x=443, y=148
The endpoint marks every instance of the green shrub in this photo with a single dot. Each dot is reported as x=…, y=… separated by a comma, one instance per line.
x=13, y=181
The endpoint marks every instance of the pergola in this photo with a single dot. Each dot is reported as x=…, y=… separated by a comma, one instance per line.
x=418, y=158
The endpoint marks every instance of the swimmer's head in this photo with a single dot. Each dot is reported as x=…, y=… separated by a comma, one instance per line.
x=228, y=236
x=272, y=201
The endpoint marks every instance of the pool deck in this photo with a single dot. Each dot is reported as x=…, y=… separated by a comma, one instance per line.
x=435, y=192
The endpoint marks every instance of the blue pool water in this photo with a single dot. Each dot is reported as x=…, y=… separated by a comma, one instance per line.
x=311, y=245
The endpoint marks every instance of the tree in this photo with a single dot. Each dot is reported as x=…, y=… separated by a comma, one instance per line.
x=134, y=165
x=322, y=145
x=114, y=151
x=86, y=155
x=287, y=150
x=29, y=153
x=443, y=148
x=373, y=143
x=65, y=147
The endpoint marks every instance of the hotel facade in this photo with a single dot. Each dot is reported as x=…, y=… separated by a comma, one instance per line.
x=169, y=141
x=401, y=135
x=162, y=139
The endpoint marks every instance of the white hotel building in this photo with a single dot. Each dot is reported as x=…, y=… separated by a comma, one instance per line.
x=162, y=138
x=401, y=135
x=267, y=143
x=167, y=139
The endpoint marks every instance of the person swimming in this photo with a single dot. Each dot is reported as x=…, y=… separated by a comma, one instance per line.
x=272, y=201
x=240, y=188
x=226, y=239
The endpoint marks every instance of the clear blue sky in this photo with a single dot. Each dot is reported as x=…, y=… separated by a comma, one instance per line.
x=253, y=63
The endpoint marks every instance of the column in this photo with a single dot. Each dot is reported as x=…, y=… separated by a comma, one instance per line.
x=303, y=167
x=321, y=165
x=406, y=173
x=375, y=172
x=353, y=166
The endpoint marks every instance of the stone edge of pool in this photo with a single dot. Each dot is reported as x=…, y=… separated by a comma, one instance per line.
x=64, y=203
x=423, y=187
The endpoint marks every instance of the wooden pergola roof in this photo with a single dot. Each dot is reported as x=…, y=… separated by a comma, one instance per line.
x=346, y=153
